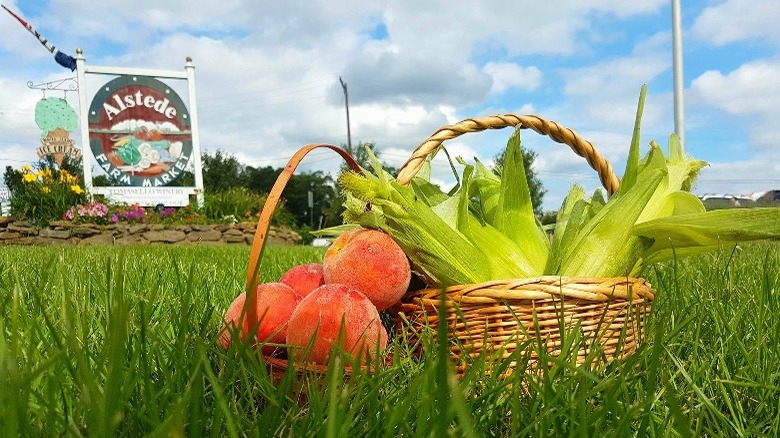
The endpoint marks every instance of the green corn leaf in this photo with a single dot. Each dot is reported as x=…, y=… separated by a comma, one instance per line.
x=334, y=231
x=606, y=245
x=597, y=201
x=464, y=202
x=685, y=203
x=504, y=258
x=653, y=160
x=632, y=164
x=577, y=220
x=565, y=214
x=424, y=173
x=427, y=192
x=698, y=232
x=515, y=215
x=486, y=186
x=681, y=172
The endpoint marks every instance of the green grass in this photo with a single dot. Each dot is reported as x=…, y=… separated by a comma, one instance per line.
x=108, y=341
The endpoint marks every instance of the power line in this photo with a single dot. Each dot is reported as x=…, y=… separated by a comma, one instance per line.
x=266, y=90
x=262, y=104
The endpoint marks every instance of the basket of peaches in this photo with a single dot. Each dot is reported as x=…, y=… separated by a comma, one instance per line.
x=318, y=312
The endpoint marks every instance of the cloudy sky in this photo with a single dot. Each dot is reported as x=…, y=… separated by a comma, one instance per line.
x=268, y=76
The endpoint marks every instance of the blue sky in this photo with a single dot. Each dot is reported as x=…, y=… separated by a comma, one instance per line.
x=267, y=76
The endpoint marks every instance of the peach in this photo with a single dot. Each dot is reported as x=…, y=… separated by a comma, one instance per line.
x=321, y=313
x=370, y=261
x=275, y=304
x=304, y=278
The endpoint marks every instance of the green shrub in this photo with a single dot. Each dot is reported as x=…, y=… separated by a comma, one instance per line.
x=237, y=202
x=242, y=204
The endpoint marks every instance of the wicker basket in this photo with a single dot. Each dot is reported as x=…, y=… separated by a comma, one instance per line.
x=506, y=315
x=498, y=315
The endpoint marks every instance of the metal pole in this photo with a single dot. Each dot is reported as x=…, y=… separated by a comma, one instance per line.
x=679, y=104
x=346, y=103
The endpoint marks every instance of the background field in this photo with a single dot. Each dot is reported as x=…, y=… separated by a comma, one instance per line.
x=107, y=341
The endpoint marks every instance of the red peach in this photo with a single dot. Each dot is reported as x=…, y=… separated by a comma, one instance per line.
x=321, y=313
x=370, y=261
x=275, y=304
x=304, y=278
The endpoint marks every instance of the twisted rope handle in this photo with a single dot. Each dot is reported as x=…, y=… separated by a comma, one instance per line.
x=558, y=133
x=263, y=224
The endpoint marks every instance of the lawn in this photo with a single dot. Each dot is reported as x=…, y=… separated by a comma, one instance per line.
x=113, y=341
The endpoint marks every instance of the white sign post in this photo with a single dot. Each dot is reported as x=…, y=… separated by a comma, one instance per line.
x=141, y=133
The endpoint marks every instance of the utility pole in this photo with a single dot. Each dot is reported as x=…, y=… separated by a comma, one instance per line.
x=679, y=105
x=346, y=104
x=311, y=206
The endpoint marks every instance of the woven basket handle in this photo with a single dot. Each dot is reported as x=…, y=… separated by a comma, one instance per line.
x=271, y=202
x=539, y=124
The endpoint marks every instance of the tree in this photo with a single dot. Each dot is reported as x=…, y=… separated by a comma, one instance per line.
x=221, y=172
x=261, y=179
x=296, y=194
x=535, y=186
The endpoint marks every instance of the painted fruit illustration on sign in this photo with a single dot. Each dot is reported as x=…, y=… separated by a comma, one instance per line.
x=139, y=131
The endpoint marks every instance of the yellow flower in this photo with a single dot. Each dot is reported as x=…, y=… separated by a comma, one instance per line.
x=46, y=189
x=46, y=175
x=29, y=177
x=26, y=168
x=76, y=189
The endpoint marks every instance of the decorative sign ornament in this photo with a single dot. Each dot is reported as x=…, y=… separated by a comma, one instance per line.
x=140, y=131
x=57, y=120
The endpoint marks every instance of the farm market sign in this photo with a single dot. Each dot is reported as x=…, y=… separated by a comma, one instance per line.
x=140, y=131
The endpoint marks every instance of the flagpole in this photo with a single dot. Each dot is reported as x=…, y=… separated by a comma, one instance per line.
x=62, y=59
x=677, y=57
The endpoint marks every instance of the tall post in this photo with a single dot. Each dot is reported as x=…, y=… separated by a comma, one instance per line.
x=346, y=104
x=197, y=165
x=86, y=150
x=679, y=104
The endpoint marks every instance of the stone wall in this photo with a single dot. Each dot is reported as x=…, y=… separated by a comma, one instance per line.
x=14, y=232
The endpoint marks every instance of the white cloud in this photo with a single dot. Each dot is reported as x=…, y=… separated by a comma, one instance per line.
x=267, y=74
x=738, y=20
x=508, y=75
x=750, y=95
x=751, y=89
x=602, y=97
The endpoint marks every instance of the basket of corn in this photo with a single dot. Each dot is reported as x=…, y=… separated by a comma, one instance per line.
x=501, y=282
x=484, y=256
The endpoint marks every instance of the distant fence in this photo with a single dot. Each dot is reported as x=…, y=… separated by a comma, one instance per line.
x=5, y=201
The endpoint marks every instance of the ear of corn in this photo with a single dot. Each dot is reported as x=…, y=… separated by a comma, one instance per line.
x=484, y=228
x=605, y=245
x=697, y=232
